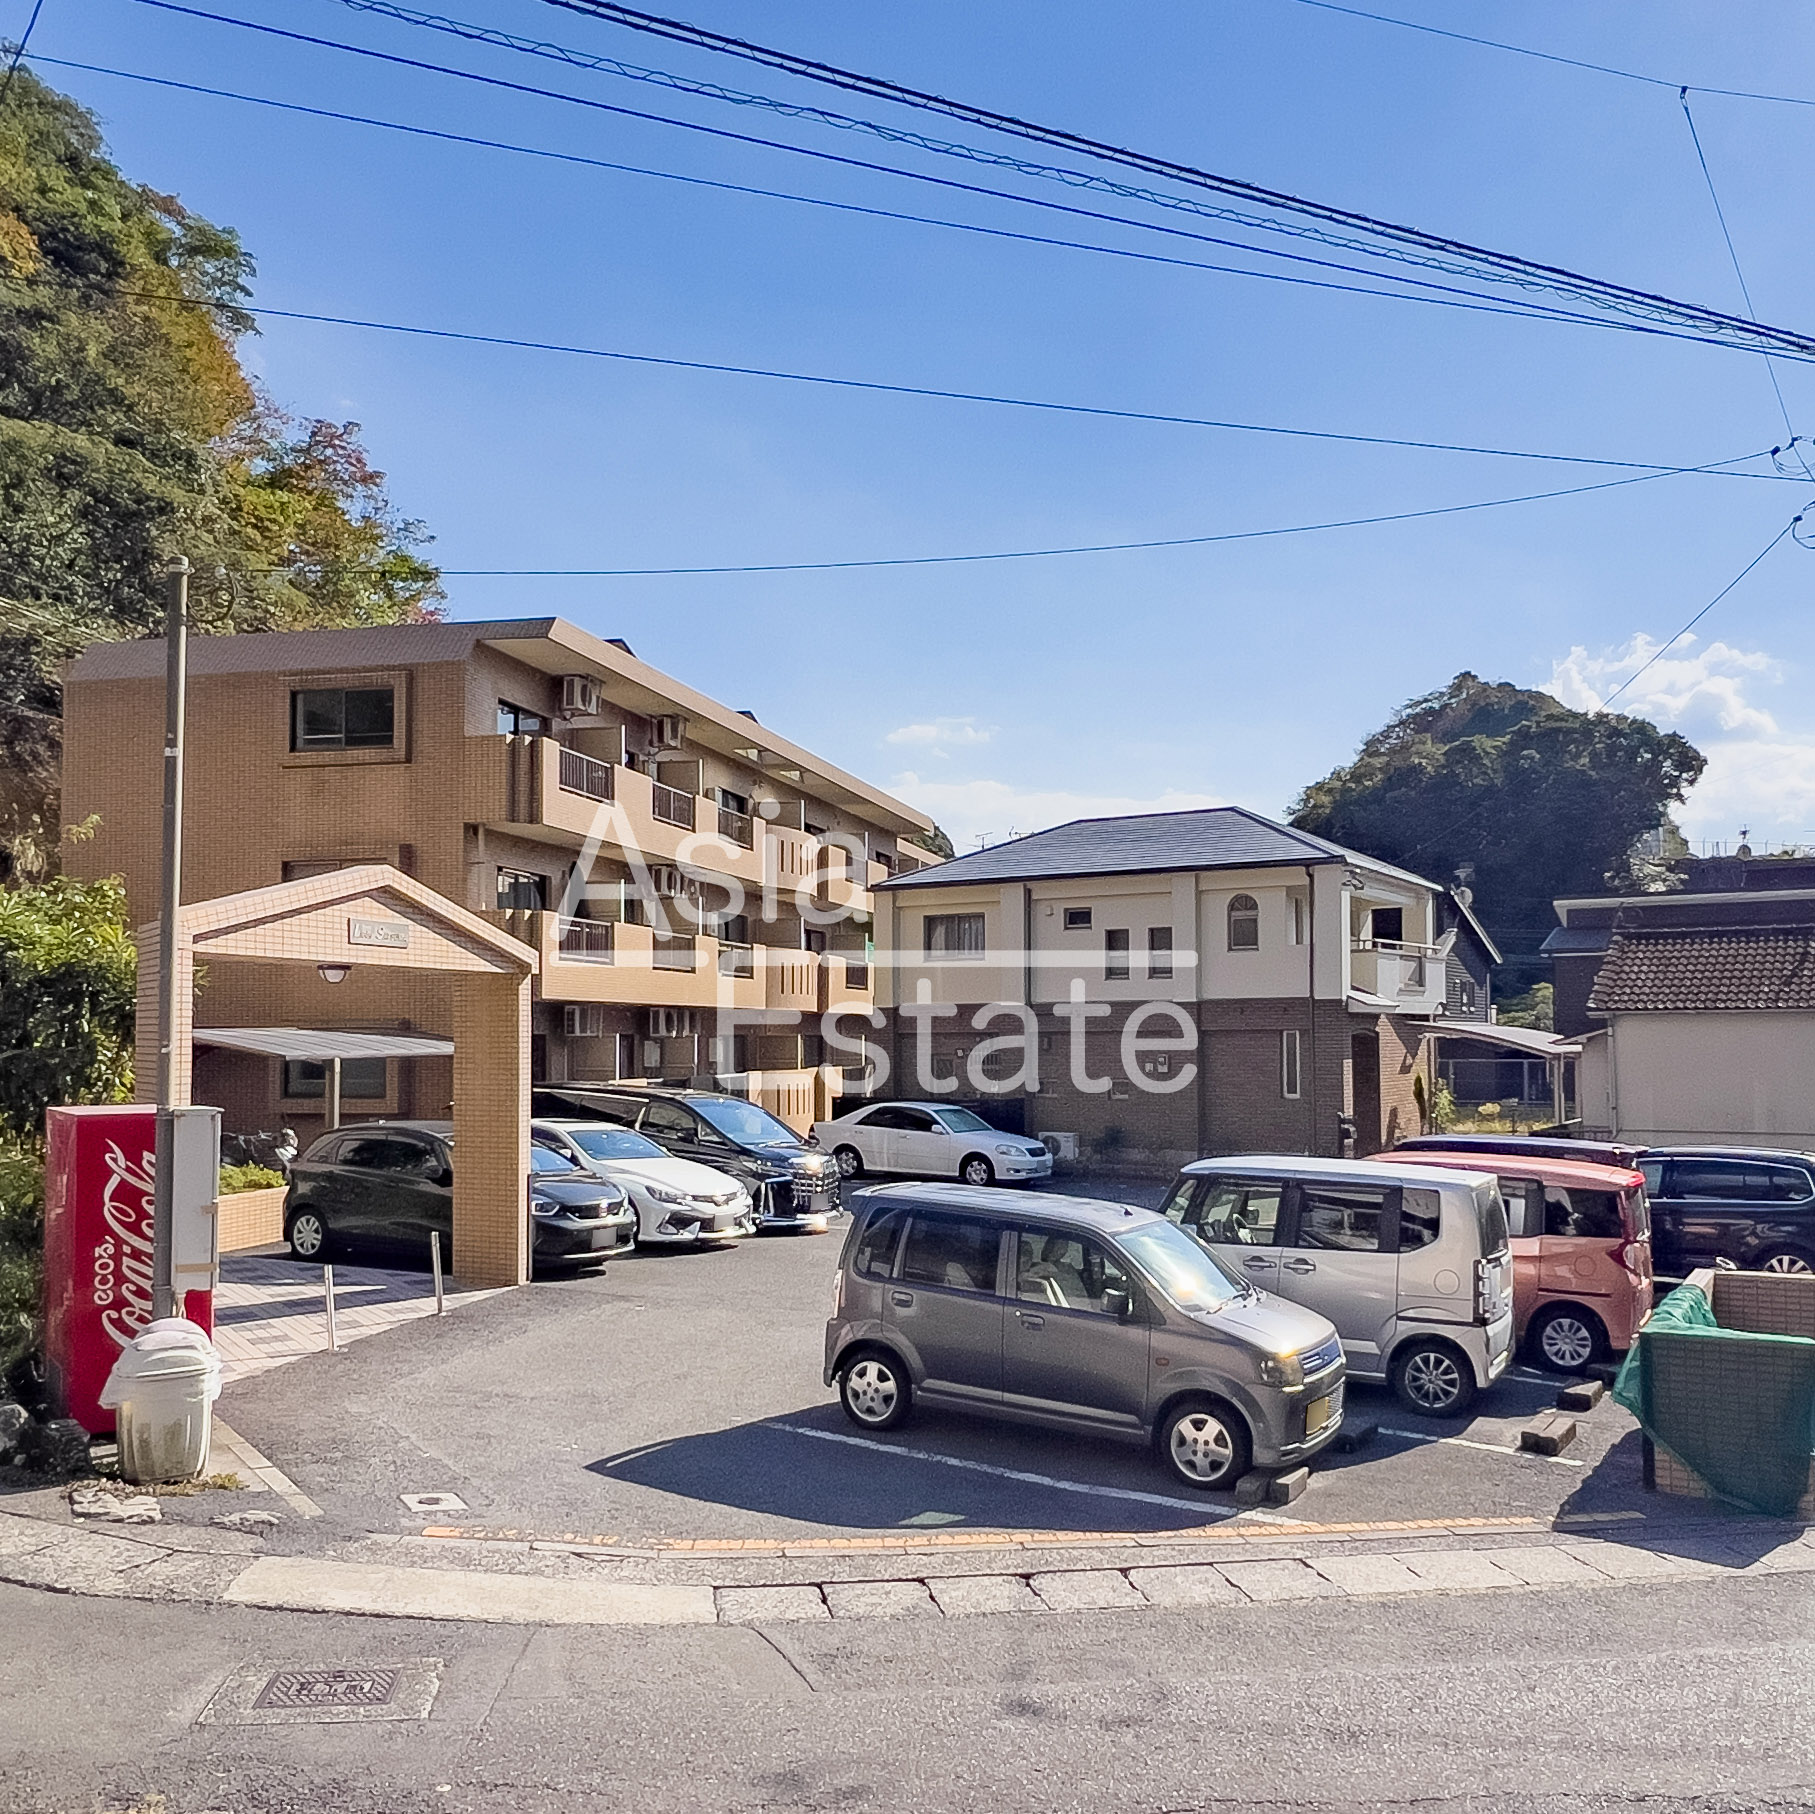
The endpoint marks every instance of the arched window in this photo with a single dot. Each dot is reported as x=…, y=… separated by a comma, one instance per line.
x=1244, y=923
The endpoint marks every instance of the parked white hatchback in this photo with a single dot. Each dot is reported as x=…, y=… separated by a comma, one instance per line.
x=930, y=1140
x=678, y=1201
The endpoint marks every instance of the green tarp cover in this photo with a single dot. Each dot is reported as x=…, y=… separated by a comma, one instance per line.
x=1736, y=1407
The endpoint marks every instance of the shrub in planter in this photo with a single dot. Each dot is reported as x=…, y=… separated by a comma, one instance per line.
x=250, y=1177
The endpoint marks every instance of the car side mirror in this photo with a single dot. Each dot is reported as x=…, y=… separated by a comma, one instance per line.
x=1120, y=1305
x=445, y=1176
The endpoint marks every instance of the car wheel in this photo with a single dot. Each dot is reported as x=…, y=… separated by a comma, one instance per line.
x=849, y=1161
x=875, y=1390
x=1566, y=1338
x=1204, y=1444
x=308, y=1235
x=977, y=1170
x=1786, y=1259
x=1433, y=1379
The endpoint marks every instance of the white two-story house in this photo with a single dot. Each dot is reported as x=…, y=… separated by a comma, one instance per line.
x=1167, y=985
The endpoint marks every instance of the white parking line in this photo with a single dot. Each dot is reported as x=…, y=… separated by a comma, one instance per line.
x=1209, y=1511
x=1493, y=1448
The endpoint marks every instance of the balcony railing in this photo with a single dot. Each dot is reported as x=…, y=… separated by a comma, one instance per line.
x=737, y=960
x=670, y=805
x=673, y=951
x=737, y=827
x=1398, y=970
x=584, y=775
x=856, y=976
x=584, y=941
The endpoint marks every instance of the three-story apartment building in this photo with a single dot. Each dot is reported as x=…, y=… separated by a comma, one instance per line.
x=698, y=888
x=1169, y=985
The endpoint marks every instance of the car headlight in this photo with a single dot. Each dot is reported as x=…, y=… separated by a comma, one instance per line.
x=660, y=1193
x=544, y=1206
x=1286, y=1370
x=1009, y=1152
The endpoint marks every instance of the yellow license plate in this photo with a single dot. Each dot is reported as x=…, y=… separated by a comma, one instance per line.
x=1317, y=1414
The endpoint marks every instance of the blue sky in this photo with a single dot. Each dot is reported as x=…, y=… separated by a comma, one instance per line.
x=1007, y=696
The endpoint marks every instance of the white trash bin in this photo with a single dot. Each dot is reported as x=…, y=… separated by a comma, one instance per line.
x=163, y=1387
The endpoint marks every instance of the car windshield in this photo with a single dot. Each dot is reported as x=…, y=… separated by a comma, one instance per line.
x=962, y=1121
x=546, y=1159
x=1186, y=1272
x=613, y=1143
x=745, y=1123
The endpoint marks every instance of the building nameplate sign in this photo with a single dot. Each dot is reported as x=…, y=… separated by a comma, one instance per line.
x=394, y=933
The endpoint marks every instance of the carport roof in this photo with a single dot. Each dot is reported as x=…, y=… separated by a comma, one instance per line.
x=318, y=1043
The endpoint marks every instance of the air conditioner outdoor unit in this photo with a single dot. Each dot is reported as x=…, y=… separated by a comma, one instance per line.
x=580, y=696
x=583, y=1020
x=667, y=881
x=670, y=731
x=1061, y=1146
x=669, y=1023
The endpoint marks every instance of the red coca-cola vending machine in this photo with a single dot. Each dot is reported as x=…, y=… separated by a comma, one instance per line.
x=98, y=1179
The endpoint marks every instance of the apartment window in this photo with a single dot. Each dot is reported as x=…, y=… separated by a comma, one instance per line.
x=343, y=718
x=514, y=721
x=1077, y=919
x=1115, y=954
x=954, y=935
x=521, y=888
x=1298, y=915
x=1290, y=1074
x=361, y=1079
x=1159, y=952
x=1244, y=923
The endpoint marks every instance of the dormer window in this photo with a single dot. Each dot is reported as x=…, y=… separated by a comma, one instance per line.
x=1244, y=923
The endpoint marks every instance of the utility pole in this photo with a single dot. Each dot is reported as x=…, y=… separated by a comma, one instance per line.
x=176, y=674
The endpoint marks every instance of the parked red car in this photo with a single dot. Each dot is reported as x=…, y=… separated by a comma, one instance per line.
x=1581, y=1244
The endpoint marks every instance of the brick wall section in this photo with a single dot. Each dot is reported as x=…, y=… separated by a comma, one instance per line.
x=1235, y=1104
x=491, y=1155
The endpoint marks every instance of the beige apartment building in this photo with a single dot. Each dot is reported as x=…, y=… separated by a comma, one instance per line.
x=1168, y=985
x=698, y=888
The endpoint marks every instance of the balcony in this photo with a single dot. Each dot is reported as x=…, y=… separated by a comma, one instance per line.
x=584, y=941
x=845, y=982
x=584, y=775
x=738, y=827
x=674, y=951
x=790, y=979
x=671, y=806
x=736, y=960
x=1413, y=976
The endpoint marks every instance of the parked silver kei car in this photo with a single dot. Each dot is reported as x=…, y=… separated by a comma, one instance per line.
x=1077, y=1314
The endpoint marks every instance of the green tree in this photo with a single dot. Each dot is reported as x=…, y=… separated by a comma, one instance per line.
x=1543, y=801
x=130, y=433
x=1535, y=1008
x=938, y=842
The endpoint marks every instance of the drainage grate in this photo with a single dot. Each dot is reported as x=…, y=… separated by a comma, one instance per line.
x=258, y=1695
x=329, y=1688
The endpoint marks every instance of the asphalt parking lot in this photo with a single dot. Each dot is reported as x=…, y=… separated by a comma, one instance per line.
x=679, y=1396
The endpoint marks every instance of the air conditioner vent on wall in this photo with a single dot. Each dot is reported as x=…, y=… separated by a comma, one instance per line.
x=670, y=731
x=580, y=696
x=583, y=1020
x=670, y=1023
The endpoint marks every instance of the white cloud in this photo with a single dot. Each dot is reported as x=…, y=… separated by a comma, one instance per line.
x=941, y=735
x=995, y=810
x=1677, y=688
x=1760, y=775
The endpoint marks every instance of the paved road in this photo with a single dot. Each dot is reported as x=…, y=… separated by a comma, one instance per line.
x=1690, y=1699
x=680, y=1395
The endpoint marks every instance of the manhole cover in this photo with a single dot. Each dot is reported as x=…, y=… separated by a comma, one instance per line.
x=424, y=1503
x=325, y=1694
x=329, y=1688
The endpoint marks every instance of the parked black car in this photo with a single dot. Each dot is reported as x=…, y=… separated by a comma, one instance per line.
x=792, y=1184
x=1747, y=1205
x=390, y=1183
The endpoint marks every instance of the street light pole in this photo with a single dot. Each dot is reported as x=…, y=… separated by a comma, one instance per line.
x=176, y=674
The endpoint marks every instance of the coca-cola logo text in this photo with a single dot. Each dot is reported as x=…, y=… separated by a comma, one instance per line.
x=122, y=1262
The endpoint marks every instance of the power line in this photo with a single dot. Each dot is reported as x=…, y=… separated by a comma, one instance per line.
x=1657, y=655
x=1395, y=241
x=1386, y=241
x=1506, y=305
x=939, y=393
x=1026, y=554
x=1444, y=295
x=1547, y=56
x=1726, y=233
x=25, y=37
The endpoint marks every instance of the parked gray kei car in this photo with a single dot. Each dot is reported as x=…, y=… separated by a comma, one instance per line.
x=1077, y=1314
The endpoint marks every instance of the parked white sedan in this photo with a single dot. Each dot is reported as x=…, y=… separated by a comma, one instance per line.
x=678, y=1201
x=930, y=1140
